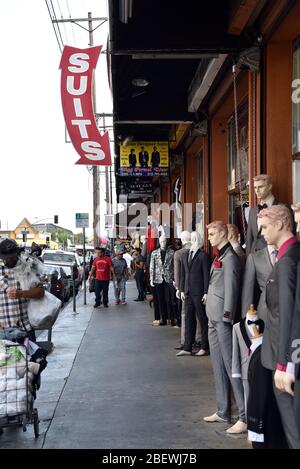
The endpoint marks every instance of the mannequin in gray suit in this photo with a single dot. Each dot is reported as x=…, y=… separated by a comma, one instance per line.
x=277, y=228
x=257, y=271
x=263, y=190
x=221, y=304
x=186, y=243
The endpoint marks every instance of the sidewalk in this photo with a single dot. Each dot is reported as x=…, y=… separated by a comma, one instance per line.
x=114, y=381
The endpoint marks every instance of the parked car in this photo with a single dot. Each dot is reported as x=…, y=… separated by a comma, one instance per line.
x=70, y=263
x=57, y=282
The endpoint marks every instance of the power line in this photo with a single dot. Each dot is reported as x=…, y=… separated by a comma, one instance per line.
x=71, y=23
x=54, y=16
x=62, y=19
x=53, y=26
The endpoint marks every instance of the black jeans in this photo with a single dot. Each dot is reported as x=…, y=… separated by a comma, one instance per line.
x=101, y=285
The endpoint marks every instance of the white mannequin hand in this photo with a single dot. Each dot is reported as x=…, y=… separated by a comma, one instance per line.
x=182, y=296
x=279, y=380
x=178, y=295
x=204, y=299
x=288, y=380
x=151, y=283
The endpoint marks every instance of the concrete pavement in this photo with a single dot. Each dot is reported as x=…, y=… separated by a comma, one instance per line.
x=114, y=381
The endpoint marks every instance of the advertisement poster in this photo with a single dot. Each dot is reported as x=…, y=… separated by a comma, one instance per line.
x=144, y=159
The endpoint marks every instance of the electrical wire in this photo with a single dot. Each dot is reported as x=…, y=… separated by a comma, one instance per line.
x=72, y=26
x=53, y=26
x=58, y=28
x=64, y=26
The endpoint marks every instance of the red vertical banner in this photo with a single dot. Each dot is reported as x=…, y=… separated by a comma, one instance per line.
x=77, y=67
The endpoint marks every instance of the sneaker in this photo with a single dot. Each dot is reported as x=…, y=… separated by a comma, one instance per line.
x=124, y=302
x=96, y=306
x=117, y=302
x=105, y=306
x=237, y=428
x=215, y=418
x=155, y=323
x=183, y=353
x=202, y=353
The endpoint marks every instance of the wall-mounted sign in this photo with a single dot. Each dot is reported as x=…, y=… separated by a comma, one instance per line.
x=77, y=67
x=144, y=159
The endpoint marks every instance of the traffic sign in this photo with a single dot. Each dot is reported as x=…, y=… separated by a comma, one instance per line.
x=82, y=220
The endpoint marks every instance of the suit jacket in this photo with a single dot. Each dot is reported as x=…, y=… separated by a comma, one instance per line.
x=143, y=158
x=296, y=326
x=132, y=160
x=159, y=270
x=155, y=158
x=257, y=271
x=194, y=278
x=241, y=343
x=280, y=299
x=224, y=285
x=254, y=240
x=178, y=255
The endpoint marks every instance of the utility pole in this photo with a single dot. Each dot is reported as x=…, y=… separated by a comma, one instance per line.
x=96, y=192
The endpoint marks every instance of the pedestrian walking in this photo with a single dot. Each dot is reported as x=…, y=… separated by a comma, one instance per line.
x=103, y=271
x=120, y=275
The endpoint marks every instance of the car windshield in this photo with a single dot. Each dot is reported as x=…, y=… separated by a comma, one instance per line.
x=49, y=269
x=58, y=257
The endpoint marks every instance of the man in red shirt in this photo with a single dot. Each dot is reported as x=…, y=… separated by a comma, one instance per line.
x=102, y=266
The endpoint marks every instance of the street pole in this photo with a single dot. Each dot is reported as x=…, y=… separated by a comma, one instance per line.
x=96, y=197
x=84, y=267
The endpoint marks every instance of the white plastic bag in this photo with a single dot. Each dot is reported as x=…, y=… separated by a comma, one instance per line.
x=42, y=313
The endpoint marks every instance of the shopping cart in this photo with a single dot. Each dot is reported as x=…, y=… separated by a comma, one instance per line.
x=17, y=388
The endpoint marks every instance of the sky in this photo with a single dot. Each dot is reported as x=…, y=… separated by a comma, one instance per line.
x=39, y=177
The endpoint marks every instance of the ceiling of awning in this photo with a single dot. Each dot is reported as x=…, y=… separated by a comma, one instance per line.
x=163, y=42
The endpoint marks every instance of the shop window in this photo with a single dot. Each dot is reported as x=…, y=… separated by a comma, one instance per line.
x=238, y=162
x=296, y=123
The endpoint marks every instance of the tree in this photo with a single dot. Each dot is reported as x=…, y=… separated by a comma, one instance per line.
x=78, y=238
x=61, y=236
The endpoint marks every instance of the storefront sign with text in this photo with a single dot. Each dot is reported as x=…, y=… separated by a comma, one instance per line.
x=77, y=67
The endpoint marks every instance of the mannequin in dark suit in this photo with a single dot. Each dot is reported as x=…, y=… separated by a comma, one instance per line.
x=263, y=191
x=143, y=158
x=277, y=229
x=194, y=280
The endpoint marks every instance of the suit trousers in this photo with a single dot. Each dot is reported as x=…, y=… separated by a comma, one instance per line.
x=195, y=309
x=139, y=278
x=285, y=404
x=162, y=293
x=220, y=343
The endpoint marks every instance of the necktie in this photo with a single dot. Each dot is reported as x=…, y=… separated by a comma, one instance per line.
x=190, y=258
x=261, y=207
x=274, y=256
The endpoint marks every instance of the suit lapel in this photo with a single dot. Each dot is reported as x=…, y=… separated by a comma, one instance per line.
x=244, y=333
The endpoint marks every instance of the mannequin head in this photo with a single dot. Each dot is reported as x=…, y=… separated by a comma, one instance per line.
x=196, y=241
x=276, y=224
x=143, y=239
x=262, y=186
x=233, y=233
x=217, y=234
x=185, y=237
x=163, y=242
x=296, y=208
